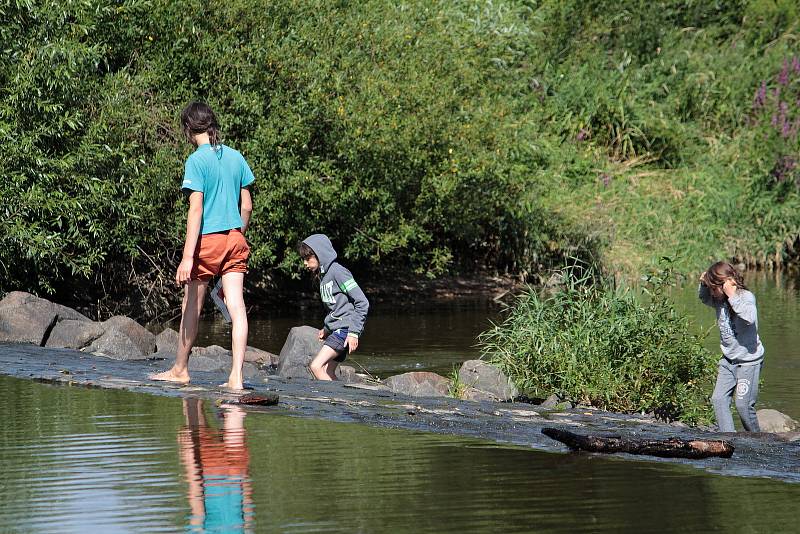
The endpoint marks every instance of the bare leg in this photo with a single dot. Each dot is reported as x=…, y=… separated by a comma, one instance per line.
x=233, y=286
x=320, y=363
x=195, y=292
x=330, y=369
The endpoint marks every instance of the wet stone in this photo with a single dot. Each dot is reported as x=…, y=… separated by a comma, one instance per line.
x=301, y=345
x=74, y=334
x=774, y=421
x=486, y=377
x=419, y=384
x=124, y=339
x=167, y=341
x=260, y=357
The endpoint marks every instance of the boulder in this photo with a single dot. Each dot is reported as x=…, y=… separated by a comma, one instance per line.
x=167, y=341
x=348, y=375
x=477, y=395
x=18, y=299
x=251, y=371
x=211, y=358
x=301, y=345
x=74, y=334
x=485, y=377
x=775, y=421
x=554, y=402
x=419, y=384
x=260, y=357
x=124, y=339
x=207, y=363
x=25, y=318
x=212, y=351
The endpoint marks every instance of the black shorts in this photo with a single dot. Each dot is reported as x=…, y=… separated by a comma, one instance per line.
x=337, y=341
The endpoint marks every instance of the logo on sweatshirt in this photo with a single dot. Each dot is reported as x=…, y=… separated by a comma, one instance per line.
x=326, y=292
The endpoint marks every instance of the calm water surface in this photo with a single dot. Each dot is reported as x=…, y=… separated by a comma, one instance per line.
x=439, y=337
x=83, y=460
x=433, y=337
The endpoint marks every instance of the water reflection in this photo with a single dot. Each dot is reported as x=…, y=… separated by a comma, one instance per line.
x=216, y=463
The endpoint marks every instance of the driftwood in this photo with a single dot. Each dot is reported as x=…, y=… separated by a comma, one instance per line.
x=260, y=399
x=666, y=448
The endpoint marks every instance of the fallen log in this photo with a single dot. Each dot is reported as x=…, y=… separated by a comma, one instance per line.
x=666, y=448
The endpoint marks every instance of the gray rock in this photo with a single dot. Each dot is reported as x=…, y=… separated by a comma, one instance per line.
x=481, y=375
x=163, y=355
x=419, y=384
x=348, y=375
x=775, y=421
x=25, y=318
x=301, y=345
x=251, y=371
x=201, y=362
x=124, y=339
x=260, y=357
x=167, y=341
x=477, y=395
x=17, y=299
x=212, y=351
x=551, y=402
x=116, y=345
x=74, y=334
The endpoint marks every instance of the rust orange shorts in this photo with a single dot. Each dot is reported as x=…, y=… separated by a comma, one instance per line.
x=220, y=253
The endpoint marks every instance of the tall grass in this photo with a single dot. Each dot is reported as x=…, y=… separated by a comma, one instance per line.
x=607, y=346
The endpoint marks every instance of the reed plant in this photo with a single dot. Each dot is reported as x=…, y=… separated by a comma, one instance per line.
x=602, y=344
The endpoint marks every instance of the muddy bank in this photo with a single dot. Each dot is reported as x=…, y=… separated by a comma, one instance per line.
x=760, y=455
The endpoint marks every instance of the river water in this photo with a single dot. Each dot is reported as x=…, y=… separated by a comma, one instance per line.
x=77, y=460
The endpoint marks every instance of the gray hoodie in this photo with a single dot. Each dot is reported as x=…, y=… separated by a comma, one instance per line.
x=737, y=319
x=346, y=303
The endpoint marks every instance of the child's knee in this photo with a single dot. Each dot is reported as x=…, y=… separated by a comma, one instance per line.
x=720, y=399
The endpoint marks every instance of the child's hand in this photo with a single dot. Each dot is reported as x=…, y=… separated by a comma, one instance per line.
x=729, y=287
x=703, y=278
x=184, y=272
x=321, y=334
x=352, y=343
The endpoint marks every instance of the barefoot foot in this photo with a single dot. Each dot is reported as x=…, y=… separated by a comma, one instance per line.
x=170, y=376
x=231, y=385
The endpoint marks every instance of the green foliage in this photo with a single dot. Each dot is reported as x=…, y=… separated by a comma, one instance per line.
x=606, y=346
x=456, y=388
x=422, y=136
x=395, y=128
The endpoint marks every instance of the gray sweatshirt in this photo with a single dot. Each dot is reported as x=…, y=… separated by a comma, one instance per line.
x=346, y=303
x=737, y=319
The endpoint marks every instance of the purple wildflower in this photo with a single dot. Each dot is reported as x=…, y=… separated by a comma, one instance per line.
x=796, y=64
x=583, y=135
x=606, y=179
x=783, y=77
x=761, y=96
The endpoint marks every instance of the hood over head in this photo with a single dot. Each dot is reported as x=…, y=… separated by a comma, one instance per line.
x=323, y=248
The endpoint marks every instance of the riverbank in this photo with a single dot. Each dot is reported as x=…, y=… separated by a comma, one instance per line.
x=758, y=455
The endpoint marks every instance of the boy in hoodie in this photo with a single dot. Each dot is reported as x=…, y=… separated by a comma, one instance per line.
x=347, y=305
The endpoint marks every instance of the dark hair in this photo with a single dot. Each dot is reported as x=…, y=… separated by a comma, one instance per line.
x=197, y=118
x=721, y=271
x=305, y=251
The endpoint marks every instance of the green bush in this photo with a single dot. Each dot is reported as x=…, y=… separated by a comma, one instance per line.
x=606, y=346
x=394, y=128
x=424, y=137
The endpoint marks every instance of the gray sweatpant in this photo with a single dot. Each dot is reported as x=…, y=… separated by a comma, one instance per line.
x=743, y=379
